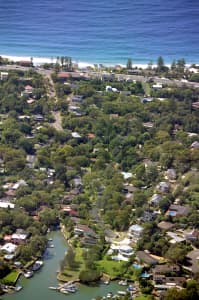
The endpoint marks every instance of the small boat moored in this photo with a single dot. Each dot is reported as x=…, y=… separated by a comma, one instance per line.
x=122, y=282
x=37, y=265
x=18, y=288
x=28, y=274
x=53, y=288
x=121, y=293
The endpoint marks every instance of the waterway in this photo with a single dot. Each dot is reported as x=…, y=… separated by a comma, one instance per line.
x=37, y=286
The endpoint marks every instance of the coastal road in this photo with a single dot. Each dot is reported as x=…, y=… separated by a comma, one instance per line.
x=119, y=77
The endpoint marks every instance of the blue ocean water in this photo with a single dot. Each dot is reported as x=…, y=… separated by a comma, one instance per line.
x=101, y=31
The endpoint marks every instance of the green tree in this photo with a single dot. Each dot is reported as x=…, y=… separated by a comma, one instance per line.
x=160, y=64
x=129, y=64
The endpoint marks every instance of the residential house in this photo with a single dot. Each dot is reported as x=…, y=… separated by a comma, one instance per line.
x=7, y=238
x=163, y=187
x=148, y=124
x=28, y=91
x=195, y=145
x=69, y=210
x=91, y=136
x=135, y=232
x=9, y=248
x=177, y=210
x=121, y=251
x=68, y=198
x=146, y=258
x=175, y=237
x=19, y=237
x=77, y=98
x=155, y=199
x=4, y=76
x=7, y=205
x=31, y=161
x=127, y=175
x=193, y=261
x=38, y=118
x=165, y=225
x=77, y=182
x=62, y=76
x=89, y=241
x=164, y=282
x=147, y=216
x=74, y=109
x=190, y=234
x=195, y=105
x=171, y=174
x=18, y=184
x=126, y=251
x=129, y=188
x=76, y=135
x=25, y=63
x=166, y=269
x=157, y=86
x=84, y=230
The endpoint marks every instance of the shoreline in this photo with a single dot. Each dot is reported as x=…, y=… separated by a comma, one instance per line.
x=40, y=60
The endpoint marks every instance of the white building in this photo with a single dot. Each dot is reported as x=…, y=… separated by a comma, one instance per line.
x=4, y=75
x=135, y=232
x=6, y=205
x=9, y=248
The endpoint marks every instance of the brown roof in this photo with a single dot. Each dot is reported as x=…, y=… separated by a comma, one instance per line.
x=91, y=135
x=63, y=75
x=146, y=258
x=165, y=225
x=178, y=209
x=166, y=268
x=176, y=280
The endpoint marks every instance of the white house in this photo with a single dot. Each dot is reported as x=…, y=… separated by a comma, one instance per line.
x=126, y=251
x=157, y=86
x=6, y=205
x=135, y=232
x=4, y=75
x=9, y=248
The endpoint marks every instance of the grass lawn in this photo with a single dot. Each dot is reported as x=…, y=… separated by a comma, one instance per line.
x=73, y=274
x=30, y=263
x=11, y=278
x=112, y=268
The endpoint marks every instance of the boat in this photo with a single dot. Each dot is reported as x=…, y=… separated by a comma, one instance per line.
x=18, y=288
x=121, y=293
x=28, y=274
x=63, y=291
x=71, y=289
x=109, y=295
x=122, y=282
x=37, y=265
x=130, y=288
x=106, y=282
x=53, y=288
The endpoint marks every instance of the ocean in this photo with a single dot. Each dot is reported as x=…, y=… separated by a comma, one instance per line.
x=101, y=31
